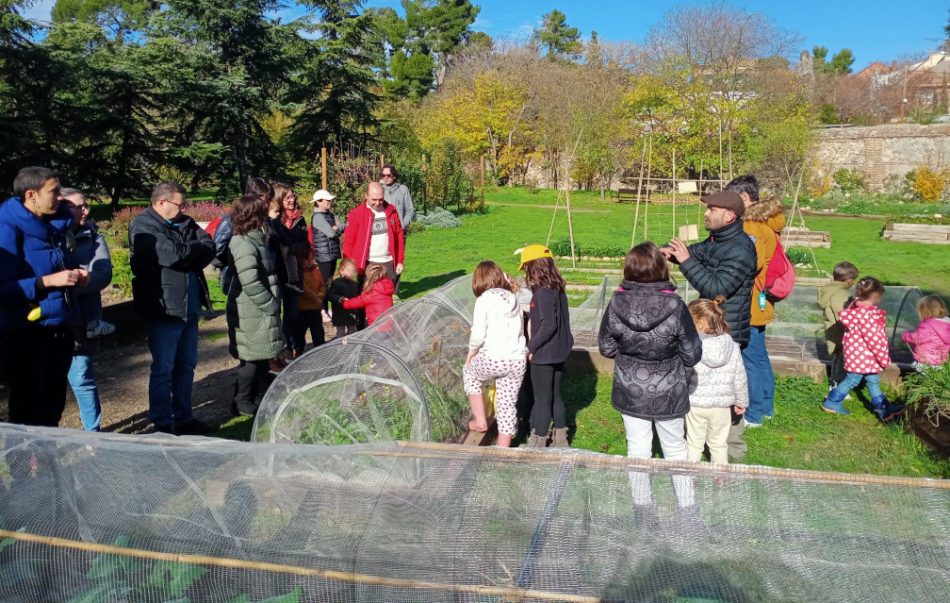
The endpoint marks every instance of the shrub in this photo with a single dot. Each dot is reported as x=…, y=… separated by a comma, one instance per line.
x=929, y=391
x=446, y=181
x=439, y=218
x=928, y=184
x=563, y=248
x=116, y=230
x=205, y=211
x=798, y=255
x=849, y=181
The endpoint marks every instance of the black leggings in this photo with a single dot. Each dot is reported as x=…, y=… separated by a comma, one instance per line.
x=326, y=271
x=249, y=375
x=311, y=320
x=546, y=383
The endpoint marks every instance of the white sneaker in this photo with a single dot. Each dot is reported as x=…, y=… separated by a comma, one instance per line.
x=751, y=425
x=99, y=328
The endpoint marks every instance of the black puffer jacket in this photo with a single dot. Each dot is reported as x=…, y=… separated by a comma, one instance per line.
x=650, y=334
x=162, y=256
x=724, y=264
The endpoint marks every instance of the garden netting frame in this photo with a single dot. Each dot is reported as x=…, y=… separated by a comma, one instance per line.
x=108, y=517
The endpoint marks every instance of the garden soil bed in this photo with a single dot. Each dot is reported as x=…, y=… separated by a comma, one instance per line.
x=937, y=437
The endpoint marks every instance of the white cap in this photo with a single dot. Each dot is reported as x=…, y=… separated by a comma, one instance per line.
x=323, y=195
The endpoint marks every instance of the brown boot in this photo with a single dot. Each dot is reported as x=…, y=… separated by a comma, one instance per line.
x=560, y=438
x=536, y=441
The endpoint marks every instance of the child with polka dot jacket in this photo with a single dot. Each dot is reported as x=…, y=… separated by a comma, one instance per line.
x=866, y=350
x=496, y=350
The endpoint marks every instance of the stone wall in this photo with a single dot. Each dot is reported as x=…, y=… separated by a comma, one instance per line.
x=881, y=152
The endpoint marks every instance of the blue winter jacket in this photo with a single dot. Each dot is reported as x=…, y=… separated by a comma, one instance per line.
x=30, y=248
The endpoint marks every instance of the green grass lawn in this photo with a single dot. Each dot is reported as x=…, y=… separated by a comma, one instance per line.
x=516, y=216
x=801, y=436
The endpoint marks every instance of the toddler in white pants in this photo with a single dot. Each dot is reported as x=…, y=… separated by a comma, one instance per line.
x=720, y=383
x=496, y=349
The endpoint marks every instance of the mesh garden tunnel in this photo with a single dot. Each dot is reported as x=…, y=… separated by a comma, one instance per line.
x=400, y=379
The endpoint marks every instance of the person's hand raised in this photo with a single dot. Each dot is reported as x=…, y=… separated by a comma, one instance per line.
x=678, y=250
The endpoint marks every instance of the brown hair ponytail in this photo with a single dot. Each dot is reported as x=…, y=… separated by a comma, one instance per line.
x=710, y=311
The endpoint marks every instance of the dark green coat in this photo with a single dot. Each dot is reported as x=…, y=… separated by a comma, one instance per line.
x=253, y=310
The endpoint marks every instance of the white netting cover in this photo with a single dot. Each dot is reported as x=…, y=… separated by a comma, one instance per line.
x=400, y=379
x=95, y=517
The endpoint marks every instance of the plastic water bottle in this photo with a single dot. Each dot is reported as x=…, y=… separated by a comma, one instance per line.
x=762, y=300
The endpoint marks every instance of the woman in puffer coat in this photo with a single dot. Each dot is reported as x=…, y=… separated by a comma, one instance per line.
x=253, y=308
x=648, y=330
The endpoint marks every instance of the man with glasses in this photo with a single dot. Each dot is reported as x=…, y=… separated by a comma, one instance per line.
x=168, y=252
x=91, y=253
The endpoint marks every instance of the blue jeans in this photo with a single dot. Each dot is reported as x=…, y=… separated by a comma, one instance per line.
x=758, y=370
x=83, y=381
x=854, y=379
x=174, y=347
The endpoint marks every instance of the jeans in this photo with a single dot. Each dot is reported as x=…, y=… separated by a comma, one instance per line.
x=761, y=379
x=174, y=347
x=854, y=379
x=35, y=362
x=291, y=303
x=311, y=320
x=640, y=445
x=546, y=382
x=83, y=381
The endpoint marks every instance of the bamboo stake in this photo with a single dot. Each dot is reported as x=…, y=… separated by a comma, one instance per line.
x=621, y=463
x=514, y=593
x=636, y=215
x=720, y=154
x=570, y=222
x=675, y=186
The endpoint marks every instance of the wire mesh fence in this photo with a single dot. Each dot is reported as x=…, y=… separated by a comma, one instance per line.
x=87, y=517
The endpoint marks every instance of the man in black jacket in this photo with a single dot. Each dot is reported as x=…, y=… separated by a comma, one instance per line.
x=168, y=253
x=724, y=264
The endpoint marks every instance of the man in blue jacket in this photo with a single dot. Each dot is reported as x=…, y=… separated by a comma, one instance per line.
x=37, y=276
x=168, y=252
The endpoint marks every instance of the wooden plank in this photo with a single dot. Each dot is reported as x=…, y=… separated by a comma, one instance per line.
x=932, y=228
x=915, y=237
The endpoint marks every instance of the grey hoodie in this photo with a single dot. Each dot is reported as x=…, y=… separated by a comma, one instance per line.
x=720, y=375
x=90, y=252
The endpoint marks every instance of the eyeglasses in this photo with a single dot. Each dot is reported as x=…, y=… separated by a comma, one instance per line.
x=183, y=203
x=388, y=176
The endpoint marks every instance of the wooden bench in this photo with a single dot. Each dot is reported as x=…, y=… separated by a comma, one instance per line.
x=626, y=195
x=931, y=234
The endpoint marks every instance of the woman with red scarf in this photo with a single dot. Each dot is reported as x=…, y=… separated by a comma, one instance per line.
x=290, y=243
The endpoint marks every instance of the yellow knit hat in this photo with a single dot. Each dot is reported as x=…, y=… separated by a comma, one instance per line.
x=533, y=252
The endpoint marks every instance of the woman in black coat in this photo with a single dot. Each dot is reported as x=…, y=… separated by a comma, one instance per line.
x=650, y=334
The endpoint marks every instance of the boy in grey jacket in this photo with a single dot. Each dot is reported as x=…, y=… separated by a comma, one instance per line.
x=90, y=251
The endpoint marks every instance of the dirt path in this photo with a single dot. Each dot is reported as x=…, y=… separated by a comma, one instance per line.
x=122, y=368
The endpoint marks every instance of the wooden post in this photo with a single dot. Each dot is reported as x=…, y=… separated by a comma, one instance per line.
x=382, y=161
x=323, y=168
x=483, y=177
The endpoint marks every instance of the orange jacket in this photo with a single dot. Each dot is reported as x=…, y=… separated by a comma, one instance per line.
x=763, y=222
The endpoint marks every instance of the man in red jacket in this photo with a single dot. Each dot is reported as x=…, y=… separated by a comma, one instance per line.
x=374, y=234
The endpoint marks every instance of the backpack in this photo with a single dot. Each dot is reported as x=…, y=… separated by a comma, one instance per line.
x=779, y=276
x=212, y=226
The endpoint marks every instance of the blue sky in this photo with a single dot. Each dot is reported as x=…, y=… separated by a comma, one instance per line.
x=873, y=29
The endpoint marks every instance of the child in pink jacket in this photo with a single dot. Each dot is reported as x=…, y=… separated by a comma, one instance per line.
x=866, y=351
x=931, y=341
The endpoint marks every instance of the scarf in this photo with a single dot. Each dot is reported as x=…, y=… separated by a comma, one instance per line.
x=289, y=217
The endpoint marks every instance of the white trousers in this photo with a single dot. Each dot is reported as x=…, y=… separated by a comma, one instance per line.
x=708, y=427
x=640, y=445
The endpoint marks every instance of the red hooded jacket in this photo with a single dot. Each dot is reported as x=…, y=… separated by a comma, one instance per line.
x=376, y=301
x=359, y=232
x=866, y=347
